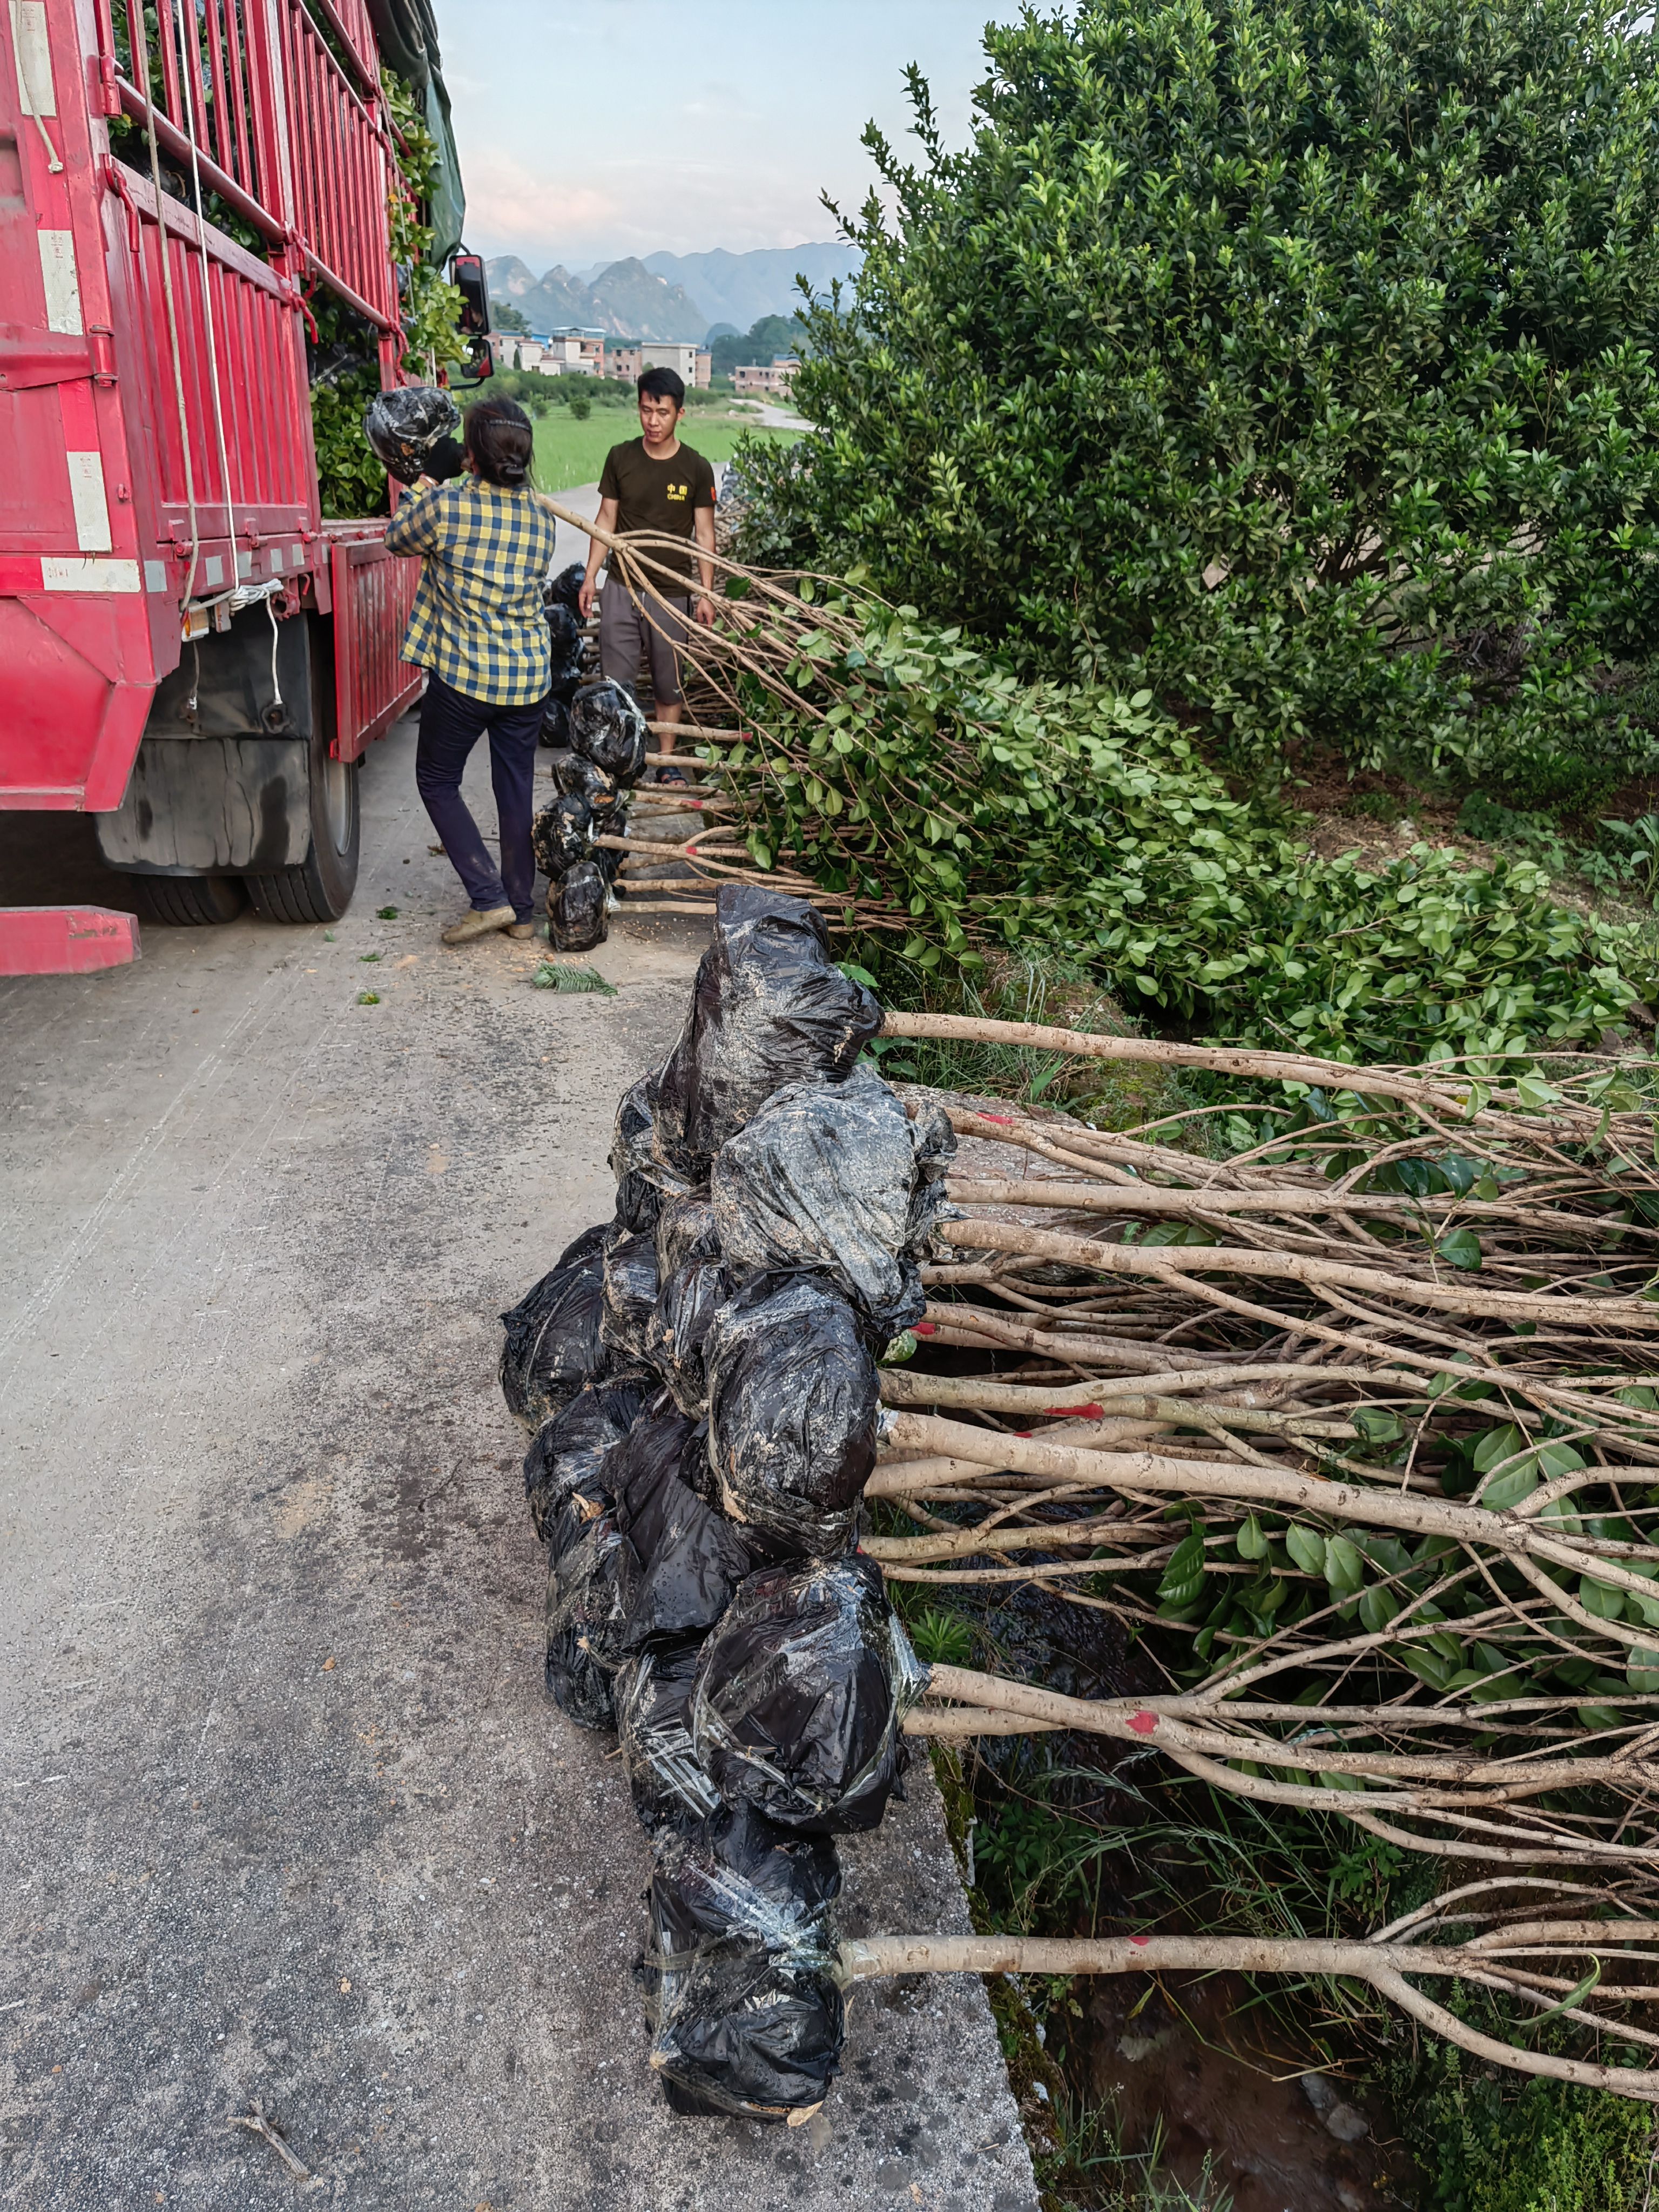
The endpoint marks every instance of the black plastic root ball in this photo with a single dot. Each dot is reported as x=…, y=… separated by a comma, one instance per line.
x=769, y=1007
x=551, y=1345
x=801, y=1693
x=581, y=779
x=607, y=727
x=745, y=2014
x=631, y=1295
x=565, y=589
x=685, y=1560
x=794, y=1403
x=564, y=633
x=561, y=834
x=569, y=1450
x=652, y=1693
x=555, y=722
x=839, y=1178
x=575, y=909
x=639, y=1200
x=686, y=1304
x=584, y=1607
x=402, y=427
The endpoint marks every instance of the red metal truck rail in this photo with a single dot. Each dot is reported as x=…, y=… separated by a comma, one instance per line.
x=155, y=440
x=372, y=592
x=275, y=124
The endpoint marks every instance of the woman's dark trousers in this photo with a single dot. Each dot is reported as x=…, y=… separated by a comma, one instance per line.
x=450, y=725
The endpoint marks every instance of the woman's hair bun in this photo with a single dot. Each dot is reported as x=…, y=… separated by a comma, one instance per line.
x=499, y=437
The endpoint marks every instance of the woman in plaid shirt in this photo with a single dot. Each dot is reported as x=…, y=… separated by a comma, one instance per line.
x=478, y=628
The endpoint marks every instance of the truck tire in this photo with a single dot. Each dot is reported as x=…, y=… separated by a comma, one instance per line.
x=187, y=902
x=319, y=887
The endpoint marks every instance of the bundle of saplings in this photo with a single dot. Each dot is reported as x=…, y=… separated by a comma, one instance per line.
x=704, y=1371
x=605, y=730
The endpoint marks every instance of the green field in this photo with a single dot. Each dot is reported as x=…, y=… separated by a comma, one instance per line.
x=568, y=452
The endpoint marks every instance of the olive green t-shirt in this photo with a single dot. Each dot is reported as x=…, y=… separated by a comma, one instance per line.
x=662, y=496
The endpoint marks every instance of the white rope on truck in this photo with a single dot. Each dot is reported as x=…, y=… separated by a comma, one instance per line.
x=138, y=34
x=189, y=90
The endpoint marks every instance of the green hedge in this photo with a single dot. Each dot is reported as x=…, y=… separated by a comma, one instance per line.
x=1293, y=358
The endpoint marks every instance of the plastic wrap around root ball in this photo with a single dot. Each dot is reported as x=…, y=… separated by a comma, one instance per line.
x=678, y=1332
x=607, y=727
x=575, y=909
x=635, y=1158
x=561, y=834
x=555, y=722
x=793, y=1404
x=603, y=792
x=769, y=1007
x=564, y=634
x=631, y=1295
x=686, y=1230
x=584, y=1607
x=639, y=1195
x=404, y=426
x=693, y=1287
x=565, y=590
x=839, y=1180
x=800, y=1693
x=653, y=1694
x=552, y=1344
x=745, y=2015
x=569, y=1450
x=685, y=1561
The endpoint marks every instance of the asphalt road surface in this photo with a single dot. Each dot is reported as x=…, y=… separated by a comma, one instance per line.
x=285, y=1817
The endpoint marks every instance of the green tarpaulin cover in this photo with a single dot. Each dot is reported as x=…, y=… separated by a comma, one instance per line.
x=407, y=32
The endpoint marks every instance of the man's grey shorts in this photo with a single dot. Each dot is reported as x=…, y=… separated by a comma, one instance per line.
x=630, y=628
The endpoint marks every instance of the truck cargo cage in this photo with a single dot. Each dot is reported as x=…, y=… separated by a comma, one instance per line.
x=185, y=187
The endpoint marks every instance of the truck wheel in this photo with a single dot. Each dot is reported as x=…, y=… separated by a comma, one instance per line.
x=319, y=887
x=188, y=901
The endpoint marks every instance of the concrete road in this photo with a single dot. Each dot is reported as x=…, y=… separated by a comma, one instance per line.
x=572, y=544
x=287, y=1819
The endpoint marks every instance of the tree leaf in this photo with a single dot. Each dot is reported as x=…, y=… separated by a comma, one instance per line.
x=1183, y=1577
x=1307, y=1549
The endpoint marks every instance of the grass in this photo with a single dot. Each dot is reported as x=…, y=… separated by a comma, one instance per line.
x=568, y=452
x=1042, y=988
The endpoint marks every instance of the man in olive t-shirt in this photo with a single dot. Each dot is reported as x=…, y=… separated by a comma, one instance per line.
x=655, y=483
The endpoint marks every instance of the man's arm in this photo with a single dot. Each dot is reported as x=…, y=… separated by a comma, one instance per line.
x=703, y=523
x=605, y=519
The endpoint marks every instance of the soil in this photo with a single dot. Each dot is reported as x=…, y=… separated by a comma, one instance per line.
x=1259, y=2129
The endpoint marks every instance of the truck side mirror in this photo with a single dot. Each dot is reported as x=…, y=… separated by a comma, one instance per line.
x=467, y=273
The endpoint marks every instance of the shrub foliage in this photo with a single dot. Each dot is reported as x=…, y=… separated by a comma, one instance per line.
x=1291, y=357
x=993, y=811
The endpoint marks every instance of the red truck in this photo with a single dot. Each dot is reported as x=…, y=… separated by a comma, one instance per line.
x=188, y=651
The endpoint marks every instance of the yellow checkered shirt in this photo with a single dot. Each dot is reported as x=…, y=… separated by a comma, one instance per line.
x=478, y=619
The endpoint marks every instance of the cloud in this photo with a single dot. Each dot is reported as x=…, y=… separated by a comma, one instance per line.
x=516, y=210
x=619, y=207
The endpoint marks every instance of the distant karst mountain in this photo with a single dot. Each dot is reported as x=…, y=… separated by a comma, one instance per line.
x=739, y=288
x=626, y=299
x=668, y=295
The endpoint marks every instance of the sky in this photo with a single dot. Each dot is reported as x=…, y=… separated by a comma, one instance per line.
x=591, y=132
